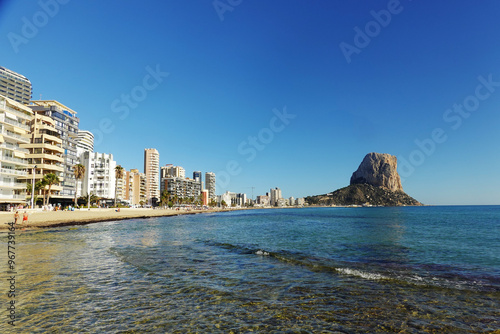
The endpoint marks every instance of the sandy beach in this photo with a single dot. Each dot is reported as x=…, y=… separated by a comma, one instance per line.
x=43, y=219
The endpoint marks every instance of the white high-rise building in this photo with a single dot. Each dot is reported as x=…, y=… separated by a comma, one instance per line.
x=275, y=196
x=84, y=142
x=152, y=171
x=99, y=176
x=14, y=129
x=15, y=86
x=210, y=184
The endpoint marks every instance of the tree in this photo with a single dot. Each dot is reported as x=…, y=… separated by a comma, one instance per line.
x=38, y=185
x=165, y=197
x=50, y=179
x=79, y=171
x=118, y=175
x=93, y=198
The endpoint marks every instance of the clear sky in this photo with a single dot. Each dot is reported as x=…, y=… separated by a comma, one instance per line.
x=284, y=93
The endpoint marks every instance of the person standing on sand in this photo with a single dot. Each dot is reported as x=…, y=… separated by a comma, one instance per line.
x=16, y=217
x=25, y=217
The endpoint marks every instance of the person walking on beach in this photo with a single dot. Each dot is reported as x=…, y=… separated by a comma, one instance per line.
x=16, y=217
x=25, y=217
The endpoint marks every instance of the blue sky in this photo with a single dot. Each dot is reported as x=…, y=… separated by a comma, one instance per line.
x=288, y=94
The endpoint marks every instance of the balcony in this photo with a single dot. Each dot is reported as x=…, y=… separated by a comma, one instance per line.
x=14, y=147
x=51, y=138
x=26, y=116
x=49, y=167
x=13, y=185
x=12, y=198
x=14, y=160
x=13, y=172
x=46, y=146
x=15, y=123
x=46, y=156
x=11, y=134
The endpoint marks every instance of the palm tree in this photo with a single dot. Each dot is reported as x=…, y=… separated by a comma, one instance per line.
x=38, y=185
x=93, y=198
x=165, y=197
x=50, y=179
x=118, y=175
x=79, y=171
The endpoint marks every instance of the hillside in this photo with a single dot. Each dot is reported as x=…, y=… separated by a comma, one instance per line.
x=363, y=194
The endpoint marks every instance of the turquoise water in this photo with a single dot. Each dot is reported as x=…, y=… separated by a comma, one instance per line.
x=312, y=270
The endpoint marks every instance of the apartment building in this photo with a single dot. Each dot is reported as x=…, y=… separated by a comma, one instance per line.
x=99, y=176
x=14, y=130
x=152, y=171
x=45, y=152
x=182, y=187
x=15, y=86
x=66, y=124
x=275, y=196
x=210, y=184
x=84, y=142
x=135, y=188
x=170, y=170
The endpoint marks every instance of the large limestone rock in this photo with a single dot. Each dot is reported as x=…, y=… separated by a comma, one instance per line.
x=379, y=170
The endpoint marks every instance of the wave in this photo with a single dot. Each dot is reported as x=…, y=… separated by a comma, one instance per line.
x=395, y=273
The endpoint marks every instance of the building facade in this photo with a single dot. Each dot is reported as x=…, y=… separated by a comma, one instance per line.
x=275, y=195
x=181, y=187
x=99, y=176
x=14, y=130
x=152, y=171
x=170, y=170
x=135, y=188
x=15, y=86
x=45, y=152
x=84, y=142
x=66, y=123
x=210, y=184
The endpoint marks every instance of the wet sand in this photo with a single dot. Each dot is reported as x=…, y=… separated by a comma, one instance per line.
x=43, y=219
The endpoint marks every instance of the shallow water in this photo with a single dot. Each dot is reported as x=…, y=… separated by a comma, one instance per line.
x=347, y=270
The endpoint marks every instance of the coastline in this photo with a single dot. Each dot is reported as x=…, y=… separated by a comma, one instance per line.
x=47, y=219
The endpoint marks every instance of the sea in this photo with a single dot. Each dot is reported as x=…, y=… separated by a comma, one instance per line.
x=431, y=269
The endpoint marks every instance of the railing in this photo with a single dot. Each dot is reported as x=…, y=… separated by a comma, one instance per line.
x=14, y=147
x=13, y=171
x=13, y=135
x=17, y=185
x=17, y=113
x=20, y=161
x=17, y=197
x=15, y=123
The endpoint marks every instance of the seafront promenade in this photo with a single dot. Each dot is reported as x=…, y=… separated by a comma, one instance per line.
x=40, y=219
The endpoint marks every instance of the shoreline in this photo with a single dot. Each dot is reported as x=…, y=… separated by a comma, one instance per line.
x=47, y=219
x=38, y=219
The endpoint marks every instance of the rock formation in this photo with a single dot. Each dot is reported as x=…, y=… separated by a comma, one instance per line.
x=375, y=182
x=379, y=170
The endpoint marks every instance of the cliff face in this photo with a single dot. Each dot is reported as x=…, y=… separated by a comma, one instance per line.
x=379, y=170
x=375, y=182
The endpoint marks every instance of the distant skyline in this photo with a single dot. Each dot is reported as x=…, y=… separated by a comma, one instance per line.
x=288, y=94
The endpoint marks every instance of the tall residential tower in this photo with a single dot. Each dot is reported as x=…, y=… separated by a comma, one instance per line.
x=66, y=124
x=15, y=86
x=152, y=171
x=210, y=184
